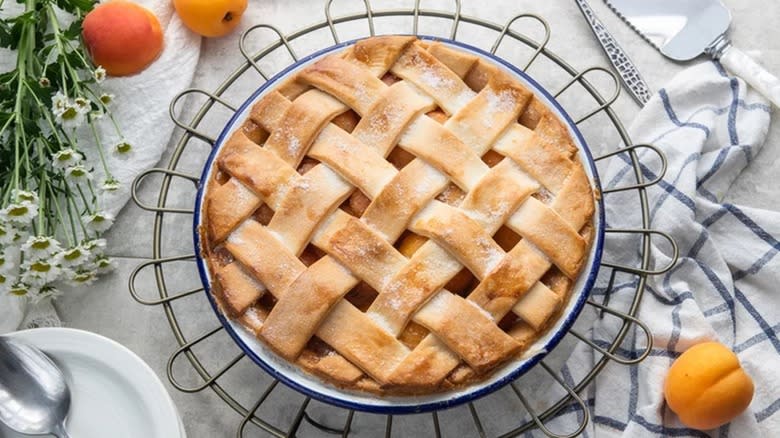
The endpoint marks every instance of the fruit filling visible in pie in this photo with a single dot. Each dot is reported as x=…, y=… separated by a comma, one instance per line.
x=400, y=217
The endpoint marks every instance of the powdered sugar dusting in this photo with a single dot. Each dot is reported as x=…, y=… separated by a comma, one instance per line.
x=490, y=253
x=302, y=184
x=463, y=98
x=497, y=103
x=431, y=78
x=253, y=317
x=293, y=146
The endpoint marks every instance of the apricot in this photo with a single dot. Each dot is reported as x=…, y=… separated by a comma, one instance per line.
x=123, y=37
x=706, y=386
x=210, y=18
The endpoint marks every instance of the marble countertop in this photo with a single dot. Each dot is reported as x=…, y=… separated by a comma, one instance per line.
x=107, y=308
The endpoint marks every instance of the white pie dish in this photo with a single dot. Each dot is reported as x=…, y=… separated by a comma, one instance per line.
x=319, y=389
x=113, y=392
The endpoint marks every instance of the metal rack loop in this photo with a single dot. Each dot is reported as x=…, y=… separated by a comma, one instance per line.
x=455, y=19
x=169, y=173
x=627, y=319
x=508, y=25
x=647, y=233
x=606, y=104
x=644, y=184
x=332, y=24
x=186, y=348
x=251, y=59
x=189, y=128
x=540, y=419
x=157, y=263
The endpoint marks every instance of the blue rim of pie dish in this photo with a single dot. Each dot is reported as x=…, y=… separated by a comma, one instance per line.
x=406, y=408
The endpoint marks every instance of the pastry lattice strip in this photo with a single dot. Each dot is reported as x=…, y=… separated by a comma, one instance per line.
x=343, y=153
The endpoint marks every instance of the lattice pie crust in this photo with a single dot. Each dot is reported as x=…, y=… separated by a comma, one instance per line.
x=399, y=217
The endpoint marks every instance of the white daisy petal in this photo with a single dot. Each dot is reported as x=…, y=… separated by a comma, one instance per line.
x=59, y=102
x=66, y=158
x=75, y=256
x=99, y=74
x=99, y=221
x=21, y=213
x=78, y=173
x=40, y=247
x=40, y=272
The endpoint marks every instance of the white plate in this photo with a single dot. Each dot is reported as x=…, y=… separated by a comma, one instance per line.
x=113, y=392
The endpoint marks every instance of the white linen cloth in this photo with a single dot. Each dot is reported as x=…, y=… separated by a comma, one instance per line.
x=725, y=285
x=141, y=109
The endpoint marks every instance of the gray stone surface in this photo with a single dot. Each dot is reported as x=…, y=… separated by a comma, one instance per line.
x=107, y=308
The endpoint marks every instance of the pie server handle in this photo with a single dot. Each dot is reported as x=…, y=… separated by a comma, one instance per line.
x=742, y=65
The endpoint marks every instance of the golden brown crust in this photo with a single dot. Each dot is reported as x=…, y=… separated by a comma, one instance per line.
x=396, y=136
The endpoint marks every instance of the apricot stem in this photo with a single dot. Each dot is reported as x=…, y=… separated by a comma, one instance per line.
x=228, y=17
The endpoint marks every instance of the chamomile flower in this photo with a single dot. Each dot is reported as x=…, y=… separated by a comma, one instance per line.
x=40, y=272
x=44, y=293
x=71, y=117
x=40, y=247
x=106, y=98
x=75, y=256
x=24, y=196
x=94, y=245
x=98, y=221
x=21, y=289
x=44, y=82
x=123, y=149
x=99, y=74
x=82, y=104
x=59, y=103
x=104, y=264
x=20, y=213
x=110, y=185
x=78, y=173
x=65, y=158
x=82, y=277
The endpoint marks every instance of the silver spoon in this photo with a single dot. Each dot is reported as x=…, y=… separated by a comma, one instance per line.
x=34, y=397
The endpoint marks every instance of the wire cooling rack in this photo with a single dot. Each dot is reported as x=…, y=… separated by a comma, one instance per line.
x=577, y=82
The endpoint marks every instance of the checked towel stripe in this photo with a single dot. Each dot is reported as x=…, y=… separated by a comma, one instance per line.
x=723, y=288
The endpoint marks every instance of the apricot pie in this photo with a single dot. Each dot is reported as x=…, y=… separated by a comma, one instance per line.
x=399, y=217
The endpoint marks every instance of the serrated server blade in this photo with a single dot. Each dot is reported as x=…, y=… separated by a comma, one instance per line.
x=680, y=29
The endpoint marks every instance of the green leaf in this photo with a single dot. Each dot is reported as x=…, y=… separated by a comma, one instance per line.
x=74, y=6
x=73, y=31
x=6, y=36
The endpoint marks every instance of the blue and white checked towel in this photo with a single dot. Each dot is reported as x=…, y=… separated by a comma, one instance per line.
x=725, y=286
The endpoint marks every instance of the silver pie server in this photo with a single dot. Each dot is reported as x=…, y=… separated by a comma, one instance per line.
x=34, y=396
x=619, y=59
x=684, y=29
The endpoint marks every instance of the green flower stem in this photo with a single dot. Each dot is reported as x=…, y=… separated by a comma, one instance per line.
x=46, y=116
x=99, y=145
x=61, y=219
x=73, y=208
x=42, y=184
x=55, y=24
